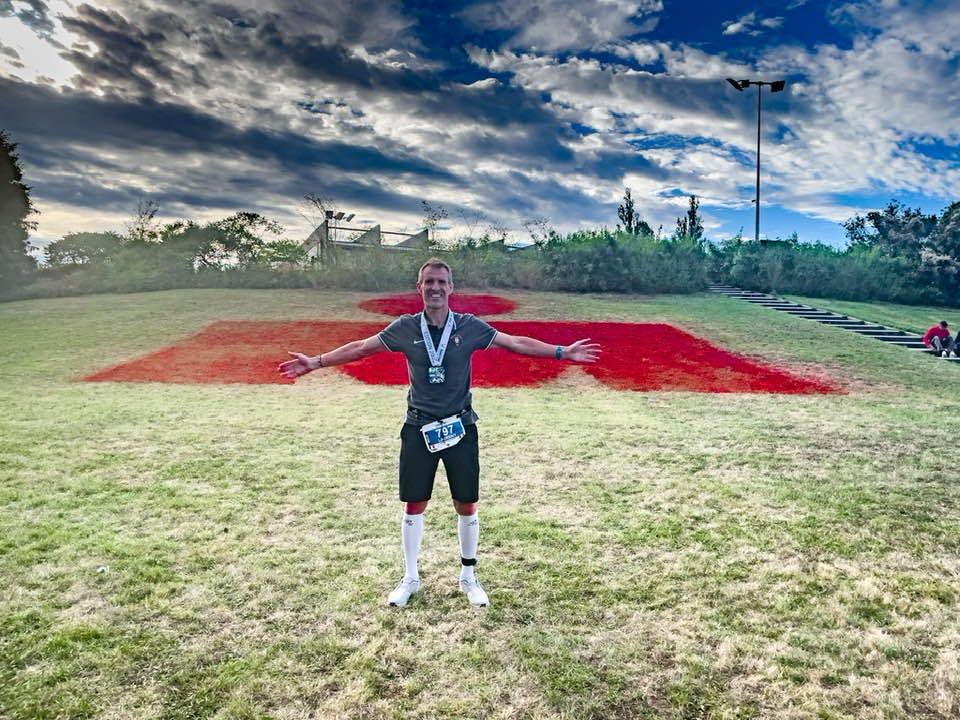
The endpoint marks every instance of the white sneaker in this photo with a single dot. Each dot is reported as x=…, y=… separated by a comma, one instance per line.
x=953, y=353
x=944, y=354
x=402, y=592
x=475, y=592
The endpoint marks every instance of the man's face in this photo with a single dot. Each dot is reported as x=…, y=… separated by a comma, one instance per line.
x=435, y=288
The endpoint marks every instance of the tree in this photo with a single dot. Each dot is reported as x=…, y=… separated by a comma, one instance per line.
x=82, y=248
x=15, y=208
x=690, y=227
x=540, y=231
x=946, y=237
x=284, y=252
x=940, y=259
x=242, y=237
x=186, y=245
x=896, y=231
x=632, y=222
x=144, y=227
x=433, y=215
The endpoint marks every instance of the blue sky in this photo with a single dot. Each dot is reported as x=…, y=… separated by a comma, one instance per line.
x=500, y=113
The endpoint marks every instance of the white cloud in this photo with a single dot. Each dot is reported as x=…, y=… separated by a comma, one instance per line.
x=37, y=55
x=844, y=126
x=552, y=25
x=748, y=25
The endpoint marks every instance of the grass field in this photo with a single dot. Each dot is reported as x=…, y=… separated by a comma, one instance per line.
x=224, y=551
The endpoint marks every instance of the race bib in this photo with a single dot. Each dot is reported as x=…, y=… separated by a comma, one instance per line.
x=443, y=433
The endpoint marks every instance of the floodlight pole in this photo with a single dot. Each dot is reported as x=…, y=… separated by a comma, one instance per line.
x=775, y=86
x=756, y=221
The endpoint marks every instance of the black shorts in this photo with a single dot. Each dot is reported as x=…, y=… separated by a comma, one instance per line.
x=418, y=466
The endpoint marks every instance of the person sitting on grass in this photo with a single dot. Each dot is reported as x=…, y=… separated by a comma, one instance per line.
x=440, y=423
x=938, y=337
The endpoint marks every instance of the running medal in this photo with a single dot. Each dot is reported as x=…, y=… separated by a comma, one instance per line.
x=436, y=373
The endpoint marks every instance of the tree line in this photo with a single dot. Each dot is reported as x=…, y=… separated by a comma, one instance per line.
x=894, y=254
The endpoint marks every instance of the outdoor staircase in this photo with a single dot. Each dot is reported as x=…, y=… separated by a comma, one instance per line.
x=893, y=336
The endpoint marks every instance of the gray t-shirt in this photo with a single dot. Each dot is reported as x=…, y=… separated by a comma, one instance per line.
x=438, y=400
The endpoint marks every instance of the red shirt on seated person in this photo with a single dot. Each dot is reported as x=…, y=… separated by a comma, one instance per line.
x=938, y=337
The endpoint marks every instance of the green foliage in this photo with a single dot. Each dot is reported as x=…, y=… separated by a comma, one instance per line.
x=486, y=263
x=690, y=226
x=940, y=258
x=896, y=230
x=243, y=237
x=15, y=207
x=896, y=254
x=814, y=269
x=82, y=248
x=633, y=224
x=621, y=262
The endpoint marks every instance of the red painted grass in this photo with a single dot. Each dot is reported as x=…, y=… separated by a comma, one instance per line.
x=411, y=303
x=635, y=357
x=236, y=352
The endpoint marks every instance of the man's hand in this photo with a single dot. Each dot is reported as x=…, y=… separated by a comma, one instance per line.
x=582, y=351
x=300, y=365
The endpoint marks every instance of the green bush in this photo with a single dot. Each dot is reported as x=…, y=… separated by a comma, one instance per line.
x=622, y=262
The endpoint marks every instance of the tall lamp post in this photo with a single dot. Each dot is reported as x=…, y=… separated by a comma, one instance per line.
x=775, y=86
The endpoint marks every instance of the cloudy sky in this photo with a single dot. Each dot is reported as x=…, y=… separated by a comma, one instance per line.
x=500, y=112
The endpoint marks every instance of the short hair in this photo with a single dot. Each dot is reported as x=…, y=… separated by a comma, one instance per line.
x=944, y=323
x=434, y=262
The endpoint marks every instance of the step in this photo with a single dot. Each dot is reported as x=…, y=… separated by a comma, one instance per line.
x=818, y=315
x=907, y=338
x=878, y=330
x=855, y=326
x=891, y=336
x=811, y=311
x=907, y=344
x=778, y=304
x=811, y=314
x=837, y=320
x=825, y=319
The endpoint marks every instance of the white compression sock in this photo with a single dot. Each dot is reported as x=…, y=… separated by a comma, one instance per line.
x=411, y=533
x=468, y=528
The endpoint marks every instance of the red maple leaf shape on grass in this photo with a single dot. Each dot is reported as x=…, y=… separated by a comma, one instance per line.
x=635, y=357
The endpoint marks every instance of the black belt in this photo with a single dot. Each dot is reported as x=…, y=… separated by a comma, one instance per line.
x=425, y=416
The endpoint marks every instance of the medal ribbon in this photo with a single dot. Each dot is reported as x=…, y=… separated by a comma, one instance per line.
x=436, y=353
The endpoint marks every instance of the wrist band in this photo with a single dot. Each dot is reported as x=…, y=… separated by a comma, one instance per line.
x=559, y=353
x=319, y=361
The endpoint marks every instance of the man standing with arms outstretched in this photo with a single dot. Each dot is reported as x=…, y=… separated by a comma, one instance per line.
x=440, y=422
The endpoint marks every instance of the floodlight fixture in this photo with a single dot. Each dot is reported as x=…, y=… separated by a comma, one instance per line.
x=329, y=214
x=775, y=86
x=349, y=217
x=338, y=216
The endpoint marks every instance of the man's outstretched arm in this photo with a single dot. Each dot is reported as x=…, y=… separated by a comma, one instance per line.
x=582, y=351
x=356, y=350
